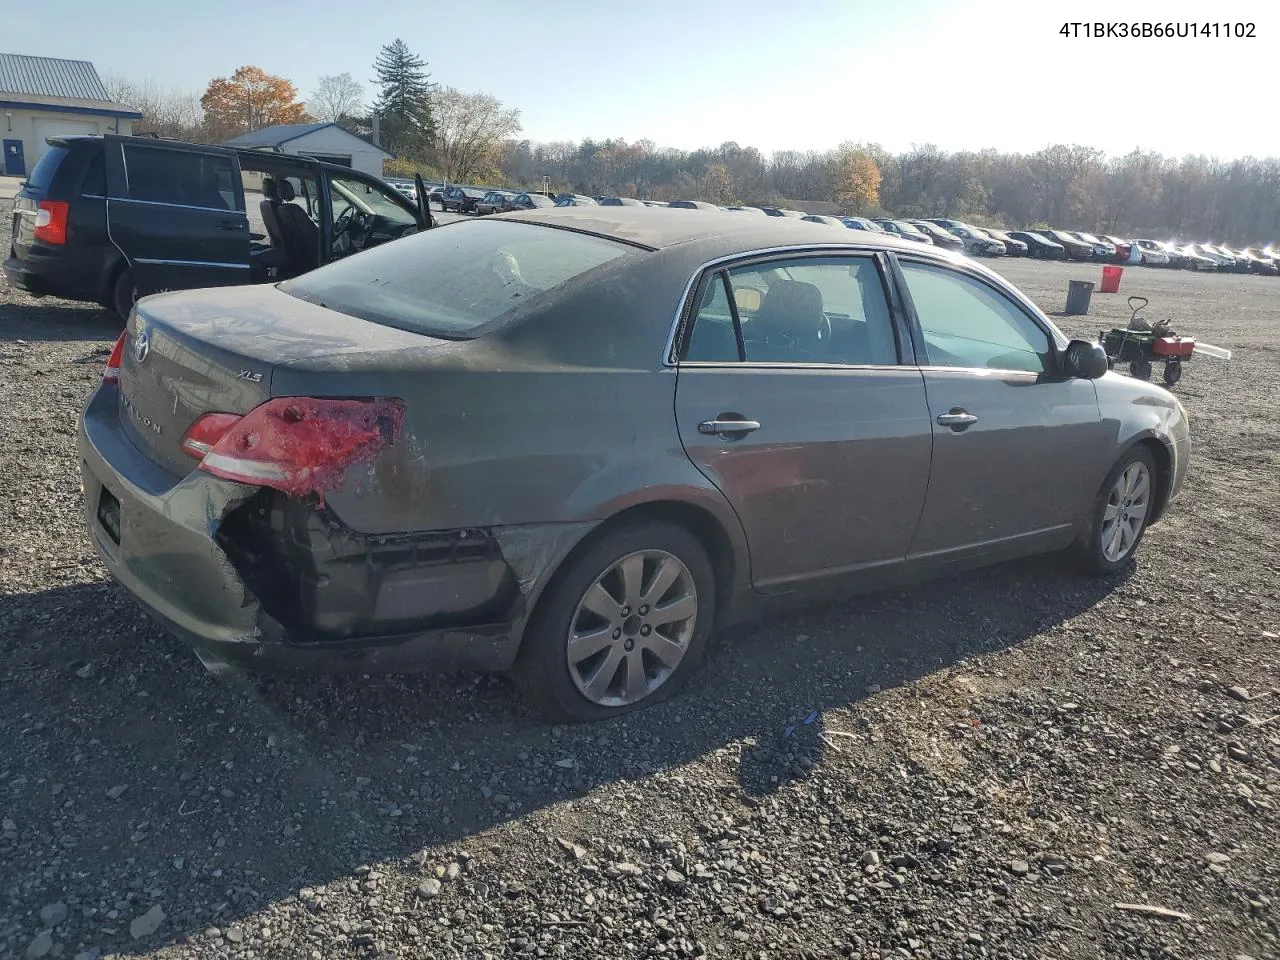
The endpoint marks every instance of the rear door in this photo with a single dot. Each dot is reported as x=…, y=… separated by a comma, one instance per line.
x=176, y=211
x=792, y=398
x=1016, y=446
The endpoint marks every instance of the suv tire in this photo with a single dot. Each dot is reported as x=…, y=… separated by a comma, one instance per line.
x=124, y=294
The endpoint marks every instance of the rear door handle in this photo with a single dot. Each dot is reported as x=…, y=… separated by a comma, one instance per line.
x=231, y=224
x=957, y=419
x=723, y=427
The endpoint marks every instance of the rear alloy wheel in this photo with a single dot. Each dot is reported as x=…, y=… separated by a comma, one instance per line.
x=622, y=626
x=1120, y=514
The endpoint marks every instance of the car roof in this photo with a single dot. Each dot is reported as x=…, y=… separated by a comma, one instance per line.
x=657, y=229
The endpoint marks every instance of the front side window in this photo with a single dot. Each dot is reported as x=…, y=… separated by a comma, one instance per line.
x=829, y=310
x=158, y=175
x=450, y=282
x=968, y=324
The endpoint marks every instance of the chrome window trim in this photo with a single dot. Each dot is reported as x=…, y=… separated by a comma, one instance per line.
x=669, y=360
x=191, y=263
x=180, y=206
x=776, y=365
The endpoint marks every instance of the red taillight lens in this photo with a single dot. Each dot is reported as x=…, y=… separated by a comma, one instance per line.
x=203, y=435
x=112, y=373
x=51, y=222
x=297, y=445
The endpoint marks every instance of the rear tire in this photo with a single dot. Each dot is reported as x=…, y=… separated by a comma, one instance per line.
x=1126, y=498
x=125, y=294
x=551, y=680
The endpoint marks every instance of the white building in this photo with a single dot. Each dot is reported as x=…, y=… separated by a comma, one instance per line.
x=321, y=141
x=42, y=97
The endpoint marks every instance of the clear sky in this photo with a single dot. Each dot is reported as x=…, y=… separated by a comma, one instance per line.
x=775, y=74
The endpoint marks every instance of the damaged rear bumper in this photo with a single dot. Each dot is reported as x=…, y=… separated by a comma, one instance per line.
x=251, y=578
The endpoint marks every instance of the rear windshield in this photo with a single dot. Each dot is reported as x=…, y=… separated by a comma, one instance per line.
x=42, y=173
x=450, y=281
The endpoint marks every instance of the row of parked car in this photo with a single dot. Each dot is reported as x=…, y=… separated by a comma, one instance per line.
x=1048, y=244
x=1056, y=244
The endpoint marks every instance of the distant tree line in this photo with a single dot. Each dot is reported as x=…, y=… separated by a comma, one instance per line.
x=1139, y=194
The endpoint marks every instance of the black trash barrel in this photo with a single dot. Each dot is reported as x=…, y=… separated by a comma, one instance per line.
x=1078, y=294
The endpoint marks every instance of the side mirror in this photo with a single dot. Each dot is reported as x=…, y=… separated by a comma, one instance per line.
x=1084, y=360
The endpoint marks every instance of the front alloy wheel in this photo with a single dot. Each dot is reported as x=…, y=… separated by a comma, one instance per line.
x=1121, y=511
x=1126, y=512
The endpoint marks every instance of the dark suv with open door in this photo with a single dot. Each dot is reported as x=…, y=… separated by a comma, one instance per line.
x=107, y=219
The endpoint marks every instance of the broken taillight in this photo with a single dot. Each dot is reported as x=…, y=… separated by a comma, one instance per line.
x=203, y=435
x=297, y=445
x=112, y=373
x=51, y=222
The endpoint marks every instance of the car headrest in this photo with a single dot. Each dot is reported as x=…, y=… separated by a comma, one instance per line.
x=791, y=307
x=269, y=189
x=286, y=191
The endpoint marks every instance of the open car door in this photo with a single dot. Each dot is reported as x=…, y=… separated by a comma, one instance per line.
x=176, y=212
x=424, y=205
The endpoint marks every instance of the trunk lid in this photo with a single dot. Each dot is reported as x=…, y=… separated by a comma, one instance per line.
x=207, y=351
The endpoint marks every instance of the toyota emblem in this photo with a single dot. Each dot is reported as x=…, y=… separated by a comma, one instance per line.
x=141, y=346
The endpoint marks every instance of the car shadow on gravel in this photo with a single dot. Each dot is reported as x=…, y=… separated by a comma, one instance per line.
x=38, y=322
x=140, y=772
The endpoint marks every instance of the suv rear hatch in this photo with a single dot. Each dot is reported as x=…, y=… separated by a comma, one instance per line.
x=26, y=203
x=214, y=351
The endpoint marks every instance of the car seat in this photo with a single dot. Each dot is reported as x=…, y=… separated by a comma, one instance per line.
x=788, y=326
x=268, y=207
x=300, y=234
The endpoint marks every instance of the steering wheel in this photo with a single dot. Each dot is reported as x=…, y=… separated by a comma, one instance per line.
x=824, y=330
x=353, y=227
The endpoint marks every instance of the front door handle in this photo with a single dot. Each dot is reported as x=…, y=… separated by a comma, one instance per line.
x=727, y=427
x=957, y=419
x=231, y=224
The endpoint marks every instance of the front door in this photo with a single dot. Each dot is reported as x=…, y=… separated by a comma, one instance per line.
x=176, y=211
x=792, y=399
x=15, y=164
x=1015, y=446
x=364, y=212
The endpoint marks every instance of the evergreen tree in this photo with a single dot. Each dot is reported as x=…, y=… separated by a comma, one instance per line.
x=403, y=108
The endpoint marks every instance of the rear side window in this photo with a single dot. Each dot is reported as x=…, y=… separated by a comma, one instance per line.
x=42, y=173
x=828, y=310
x=450, y=281
x=95, y=177
x=158, y=175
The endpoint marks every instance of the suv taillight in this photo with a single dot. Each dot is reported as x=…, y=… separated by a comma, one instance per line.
x=51, y=222
x=294, y=444
x=112, y=373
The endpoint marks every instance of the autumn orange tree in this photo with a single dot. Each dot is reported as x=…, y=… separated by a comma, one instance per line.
x=248, y=100
x=856, y=180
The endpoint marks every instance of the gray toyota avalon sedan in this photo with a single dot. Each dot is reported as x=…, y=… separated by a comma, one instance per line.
x=573, y=442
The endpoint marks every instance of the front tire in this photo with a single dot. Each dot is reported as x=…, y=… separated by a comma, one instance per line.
x=1119, y=516
x=622, y=626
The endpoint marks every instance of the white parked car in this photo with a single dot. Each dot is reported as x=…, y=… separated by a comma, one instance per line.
x=1151, y=254
x=1220, y=259
x=1193, y=259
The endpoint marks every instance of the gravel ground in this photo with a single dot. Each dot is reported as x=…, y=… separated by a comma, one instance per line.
x=986, y=766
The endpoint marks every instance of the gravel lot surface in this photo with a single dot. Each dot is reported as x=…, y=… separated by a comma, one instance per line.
x=986, y=766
